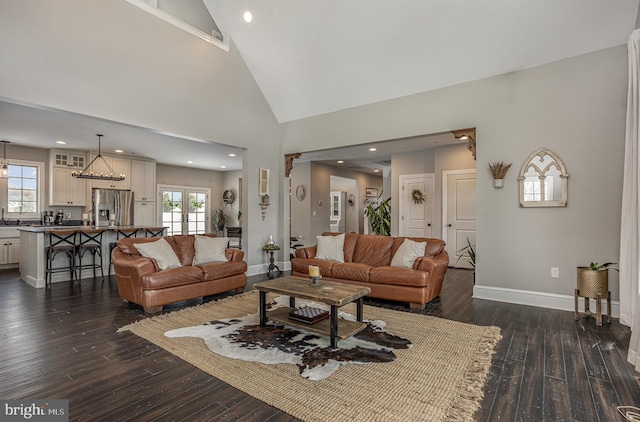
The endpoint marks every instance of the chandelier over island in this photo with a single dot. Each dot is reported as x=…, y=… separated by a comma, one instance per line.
x=88, y=174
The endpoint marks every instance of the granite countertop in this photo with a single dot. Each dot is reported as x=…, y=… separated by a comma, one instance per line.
x=42, y=229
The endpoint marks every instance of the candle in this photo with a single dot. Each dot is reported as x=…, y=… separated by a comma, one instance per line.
x=314, y=271
x=85, y=216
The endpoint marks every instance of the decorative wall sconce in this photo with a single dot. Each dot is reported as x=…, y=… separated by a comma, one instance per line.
x=352, y=200
x=498, y=171
x=264, y=205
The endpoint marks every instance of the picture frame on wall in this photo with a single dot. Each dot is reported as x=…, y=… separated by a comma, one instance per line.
x=264, y=181
x=371, y=192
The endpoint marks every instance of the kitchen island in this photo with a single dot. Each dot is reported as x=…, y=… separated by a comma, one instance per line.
x=33, y=243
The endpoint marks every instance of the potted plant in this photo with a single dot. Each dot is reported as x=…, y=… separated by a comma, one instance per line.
x=594, y=280
x=379, y=214
x=498, y=171
x=219, y=219
x=469, y=253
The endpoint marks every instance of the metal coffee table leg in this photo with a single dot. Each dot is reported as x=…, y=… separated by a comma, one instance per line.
x=263, y=308
x=334, y=326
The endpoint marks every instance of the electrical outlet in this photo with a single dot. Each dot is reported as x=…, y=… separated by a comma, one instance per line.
x=555, y=272
x=67, y=216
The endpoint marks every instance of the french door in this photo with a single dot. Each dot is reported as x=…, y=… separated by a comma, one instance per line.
x=185, y=210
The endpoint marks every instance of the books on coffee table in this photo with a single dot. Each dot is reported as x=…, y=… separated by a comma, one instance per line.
x=308, y=315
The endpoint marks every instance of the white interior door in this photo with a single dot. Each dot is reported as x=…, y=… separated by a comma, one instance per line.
x=460, y=214
x=416, y=217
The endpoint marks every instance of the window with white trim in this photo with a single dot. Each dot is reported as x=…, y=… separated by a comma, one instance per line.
x=22, y=195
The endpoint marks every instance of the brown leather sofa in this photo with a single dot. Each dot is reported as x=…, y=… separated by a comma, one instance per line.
x=141, y=281
x=367, y=263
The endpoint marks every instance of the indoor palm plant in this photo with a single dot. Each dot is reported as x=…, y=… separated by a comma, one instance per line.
x=379, y=214
x=219, y=219
x=470, y=253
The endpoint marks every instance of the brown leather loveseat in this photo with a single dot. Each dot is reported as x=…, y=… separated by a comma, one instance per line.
x=367, y=262
x=141, y=281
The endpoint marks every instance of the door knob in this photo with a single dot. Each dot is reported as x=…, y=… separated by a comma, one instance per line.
x=428, y=224
x=449, y=225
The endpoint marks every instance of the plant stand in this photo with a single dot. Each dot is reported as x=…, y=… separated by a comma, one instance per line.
x=593, y=284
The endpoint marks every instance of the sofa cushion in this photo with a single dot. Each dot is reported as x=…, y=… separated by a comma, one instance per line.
x=373, y=250
x=161, y=251
x=217, y=270
x=434, y=246
x=210, y=249
x=351, y=271
x=350, y=240
x=171, y=277
x=330, y=248
x=407, y=253
x=398, y=276
x=127, y=244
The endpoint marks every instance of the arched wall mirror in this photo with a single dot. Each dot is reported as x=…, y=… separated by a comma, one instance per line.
x=543, y=180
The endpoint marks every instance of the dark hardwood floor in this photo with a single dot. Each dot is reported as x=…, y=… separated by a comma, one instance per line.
x=63, y=344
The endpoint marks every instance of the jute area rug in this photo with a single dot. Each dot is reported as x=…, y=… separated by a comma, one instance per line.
x=439, y=379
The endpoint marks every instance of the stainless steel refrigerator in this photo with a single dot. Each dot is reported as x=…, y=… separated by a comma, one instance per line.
x=111, y=202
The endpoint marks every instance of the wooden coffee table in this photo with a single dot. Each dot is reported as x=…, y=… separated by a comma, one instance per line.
x=331, y=293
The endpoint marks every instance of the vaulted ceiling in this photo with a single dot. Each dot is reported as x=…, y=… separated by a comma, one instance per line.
x=315, y=57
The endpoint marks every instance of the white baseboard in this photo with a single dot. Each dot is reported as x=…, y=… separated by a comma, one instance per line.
x=540, y=299
x=263, y=268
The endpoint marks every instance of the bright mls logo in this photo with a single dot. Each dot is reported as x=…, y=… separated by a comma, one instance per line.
x=35, y=410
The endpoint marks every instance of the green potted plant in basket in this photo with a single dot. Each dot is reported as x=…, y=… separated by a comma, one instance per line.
x=594, y=279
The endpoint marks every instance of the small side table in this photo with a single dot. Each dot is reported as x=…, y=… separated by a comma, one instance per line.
x=271, y=249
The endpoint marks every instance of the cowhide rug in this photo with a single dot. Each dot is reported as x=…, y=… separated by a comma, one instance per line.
x=244, y=339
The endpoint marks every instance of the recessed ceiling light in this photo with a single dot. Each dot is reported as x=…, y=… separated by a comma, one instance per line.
x=232, y=155
x=340, y=162
x=61, y=142
x=372, y=149
x=223, y=167
x=247, y=16
x=376, y=170
x=189, y=162
x=464, y=137
x=119, y=151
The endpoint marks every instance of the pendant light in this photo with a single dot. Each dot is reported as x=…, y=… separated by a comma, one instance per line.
x=4, y=165
x=88, y=174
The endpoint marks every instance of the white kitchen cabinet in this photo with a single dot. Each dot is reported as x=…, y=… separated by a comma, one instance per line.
x=144, y=213
x=68, y=159
x=143, y=180
x=9, y=251
x=118, y=164
x=64, y=189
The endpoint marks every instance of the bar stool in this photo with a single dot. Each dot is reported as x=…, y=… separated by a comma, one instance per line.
x=154, y=231
x=121, y=234
x=89, y=241
x=60, y=241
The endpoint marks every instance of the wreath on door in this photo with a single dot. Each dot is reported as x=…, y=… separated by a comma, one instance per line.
x=417, y=196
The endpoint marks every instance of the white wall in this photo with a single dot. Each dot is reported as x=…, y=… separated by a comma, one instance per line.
x=575, y=107
x=112, y=60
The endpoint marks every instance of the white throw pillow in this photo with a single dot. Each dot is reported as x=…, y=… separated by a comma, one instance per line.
x=161, y=251
x=210, y=249
x=407, y=253
x=331, y=248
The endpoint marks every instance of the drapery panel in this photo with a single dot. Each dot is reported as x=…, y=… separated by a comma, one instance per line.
x=630, y=226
